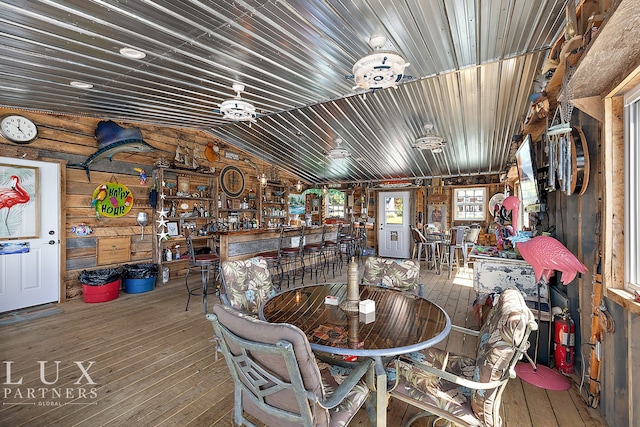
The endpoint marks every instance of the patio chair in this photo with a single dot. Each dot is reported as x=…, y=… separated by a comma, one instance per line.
x=246, y=284
x=277, y=379
x=463, y=390
x=401, y=274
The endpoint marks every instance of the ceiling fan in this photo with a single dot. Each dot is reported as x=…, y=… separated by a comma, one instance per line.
x=236, y=108
x=430, y=141
x=380, y=69
x=337, y=152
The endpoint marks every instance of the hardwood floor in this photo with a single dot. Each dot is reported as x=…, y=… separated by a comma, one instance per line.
x=154, y=364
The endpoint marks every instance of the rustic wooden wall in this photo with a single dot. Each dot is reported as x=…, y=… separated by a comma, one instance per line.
x=72, y=140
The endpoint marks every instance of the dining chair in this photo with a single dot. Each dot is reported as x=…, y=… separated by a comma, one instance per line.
x=208, y=265
x=276, y=378
x=246, y=284
x=462, y=390
x=401, y=274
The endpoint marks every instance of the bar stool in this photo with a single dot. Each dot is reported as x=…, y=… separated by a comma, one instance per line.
x=315, y=257
x=205, y=262
x=332, y=249
x=291, y=258
x=274, y=261
x=359, y=240
x=345, y=241
x=456, y=247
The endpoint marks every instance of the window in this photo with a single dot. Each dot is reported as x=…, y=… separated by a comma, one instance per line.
x=335, y=204
x=469, y=204
x=631, y=188
x=393, y=210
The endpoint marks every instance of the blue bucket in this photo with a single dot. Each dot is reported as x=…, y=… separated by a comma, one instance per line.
x=137, y=286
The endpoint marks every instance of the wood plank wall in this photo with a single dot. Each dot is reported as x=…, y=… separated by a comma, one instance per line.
x=72, y=140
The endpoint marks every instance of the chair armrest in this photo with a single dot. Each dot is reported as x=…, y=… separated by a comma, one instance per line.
x=347, y=385
x=465, y=330
x=459, y=380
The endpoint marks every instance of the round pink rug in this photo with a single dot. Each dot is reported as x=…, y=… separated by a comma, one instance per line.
x=542, y=377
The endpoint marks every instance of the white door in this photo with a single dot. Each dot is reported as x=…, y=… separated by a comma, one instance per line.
x=394, y=235
x=32, y=277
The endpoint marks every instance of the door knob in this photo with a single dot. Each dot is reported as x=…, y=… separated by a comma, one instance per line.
x=52, y=242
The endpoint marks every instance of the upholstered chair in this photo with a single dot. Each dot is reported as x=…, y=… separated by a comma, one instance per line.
x=246, y=284
x=463, y=390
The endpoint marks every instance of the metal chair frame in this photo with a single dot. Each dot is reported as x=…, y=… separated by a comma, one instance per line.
x=205, y=263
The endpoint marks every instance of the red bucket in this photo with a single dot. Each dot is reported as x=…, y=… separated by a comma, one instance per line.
x=107, y=292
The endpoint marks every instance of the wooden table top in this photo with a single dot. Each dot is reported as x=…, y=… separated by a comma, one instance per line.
x=403, y=322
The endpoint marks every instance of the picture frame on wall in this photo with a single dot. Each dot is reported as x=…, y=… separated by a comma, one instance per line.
x=437, y=215
x=19, y=187
x=296, y=204
x=172, y=229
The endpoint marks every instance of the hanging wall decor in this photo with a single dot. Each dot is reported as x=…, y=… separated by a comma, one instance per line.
x=112, y=200
x=19, y=212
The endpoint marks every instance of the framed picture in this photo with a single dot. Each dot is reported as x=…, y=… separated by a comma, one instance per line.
x=19, y=202
x=172, y=229
x=183, y=184
x=296, y=204
x=437, y=214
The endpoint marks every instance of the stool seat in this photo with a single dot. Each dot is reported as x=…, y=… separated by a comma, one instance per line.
x=207, y=257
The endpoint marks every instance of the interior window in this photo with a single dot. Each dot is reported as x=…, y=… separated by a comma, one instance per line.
x=393, y=209
x=631, y=188
x=469, y=204
x=336, y=204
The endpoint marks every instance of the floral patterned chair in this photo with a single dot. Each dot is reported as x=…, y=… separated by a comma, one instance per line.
x=276, y=378
x=246, y=284
x=401, y=274
x=463, y=390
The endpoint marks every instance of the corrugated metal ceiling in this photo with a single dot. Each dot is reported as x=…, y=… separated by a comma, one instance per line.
x=472, y=64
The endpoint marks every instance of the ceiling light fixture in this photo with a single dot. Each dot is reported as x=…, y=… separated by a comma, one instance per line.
x=338, y=152
x=380, y=69
x=298, y=186
x=81, y=85
x=430, y=141
x=237, y=109
x=132, y=53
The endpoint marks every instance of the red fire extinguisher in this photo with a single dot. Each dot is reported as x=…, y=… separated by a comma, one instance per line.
x=564, y=342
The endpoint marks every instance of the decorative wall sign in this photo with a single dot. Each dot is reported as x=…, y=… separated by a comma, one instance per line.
x=112, y=200
x=232, y=181
x=437, y=215
x=19, y=211
x=14, y=248
x=231, y=155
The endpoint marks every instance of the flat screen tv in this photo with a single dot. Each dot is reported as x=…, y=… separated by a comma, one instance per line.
x=527, y=172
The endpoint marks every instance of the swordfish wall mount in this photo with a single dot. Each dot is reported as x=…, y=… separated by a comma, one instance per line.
x=113, y=139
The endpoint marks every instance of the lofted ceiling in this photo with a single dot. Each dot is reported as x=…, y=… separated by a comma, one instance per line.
x=472, y=67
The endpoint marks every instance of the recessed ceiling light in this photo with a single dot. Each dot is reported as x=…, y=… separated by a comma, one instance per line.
x=81, y=85
x=132, y=53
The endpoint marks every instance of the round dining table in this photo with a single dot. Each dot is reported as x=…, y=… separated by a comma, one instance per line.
x=402, y=322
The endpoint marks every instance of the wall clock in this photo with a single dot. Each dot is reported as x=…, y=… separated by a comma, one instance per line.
x=232, y=181
x=18, y=129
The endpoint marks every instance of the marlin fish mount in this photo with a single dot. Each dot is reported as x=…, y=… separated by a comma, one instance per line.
x=113, y=139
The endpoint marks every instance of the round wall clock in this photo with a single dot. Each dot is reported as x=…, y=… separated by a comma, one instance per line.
x=232, y=181
x=18, y=129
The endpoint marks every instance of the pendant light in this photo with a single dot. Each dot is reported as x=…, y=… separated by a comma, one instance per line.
x=298, y=186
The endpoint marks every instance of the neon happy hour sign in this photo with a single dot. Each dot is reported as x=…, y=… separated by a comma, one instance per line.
x=112, y=200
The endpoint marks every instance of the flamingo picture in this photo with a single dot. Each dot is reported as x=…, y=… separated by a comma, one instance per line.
x=12, y=195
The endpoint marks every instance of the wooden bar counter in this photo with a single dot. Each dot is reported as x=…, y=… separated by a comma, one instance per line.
x=235, y=245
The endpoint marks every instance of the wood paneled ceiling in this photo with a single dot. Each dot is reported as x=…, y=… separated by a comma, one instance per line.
x=472, y=67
